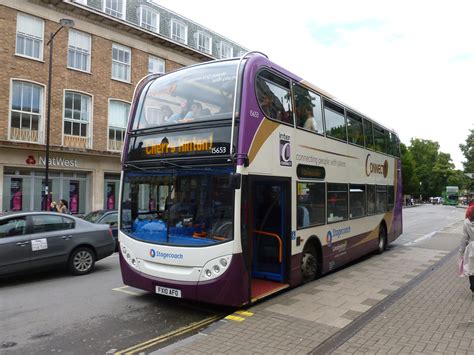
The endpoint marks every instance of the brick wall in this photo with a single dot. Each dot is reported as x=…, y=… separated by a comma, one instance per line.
x=97, y=83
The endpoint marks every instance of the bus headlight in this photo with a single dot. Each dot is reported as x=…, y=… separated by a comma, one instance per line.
x=215, y=268
x=129, y=256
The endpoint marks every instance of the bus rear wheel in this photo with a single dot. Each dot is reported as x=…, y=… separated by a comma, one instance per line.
x=309, y=264
x=382, y=245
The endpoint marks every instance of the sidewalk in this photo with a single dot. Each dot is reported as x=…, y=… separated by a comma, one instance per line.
x=380, y=305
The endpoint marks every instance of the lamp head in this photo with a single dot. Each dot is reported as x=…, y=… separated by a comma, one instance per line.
x=65, y=22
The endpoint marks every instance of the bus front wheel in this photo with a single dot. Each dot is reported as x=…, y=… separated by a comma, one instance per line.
x=309, y=264
x=382, y=245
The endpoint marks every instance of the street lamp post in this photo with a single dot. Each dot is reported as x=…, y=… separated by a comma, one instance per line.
x=64, y=23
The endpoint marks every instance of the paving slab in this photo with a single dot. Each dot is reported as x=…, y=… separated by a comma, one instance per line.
x=435, y=315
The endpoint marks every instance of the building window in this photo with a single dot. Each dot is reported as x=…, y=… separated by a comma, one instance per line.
x=226, y=51
x=203, y=42
x=149, y=19
x=79, y=51
x=179, y=32
x=156, y=65
x=118, y=116
x=29, y=36
x=121, y=62
x=26, y=111
x=77, y=110
x=115, y=8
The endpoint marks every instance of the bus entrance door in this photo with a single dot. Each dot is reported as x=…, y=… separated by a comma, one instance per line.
x=270, y=241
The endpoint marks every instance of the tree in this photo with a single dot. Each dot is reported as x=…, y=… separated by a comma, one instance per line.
x=409, y=178
x=468, y=151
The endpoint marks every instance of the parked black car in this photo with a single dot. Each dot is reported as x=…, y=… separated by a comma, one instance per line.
x=109, y=217
x=36, y=240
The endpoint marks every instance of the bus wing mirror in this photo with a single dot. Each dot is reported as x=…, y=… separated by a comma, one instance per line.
x=234, y=181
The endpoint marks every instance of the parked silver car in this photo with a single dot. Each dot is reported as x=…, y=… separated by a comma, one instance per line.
x=36, y=240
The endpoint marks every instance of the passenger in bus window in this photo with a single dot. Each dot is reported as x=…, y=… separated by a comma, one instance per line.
x=183, y=109
x=195, y=111
x=310, y=121
x=166, y=113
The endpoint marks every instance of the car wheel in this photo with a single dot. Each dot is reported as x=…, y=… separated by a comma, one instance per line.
x=309, y=264
x=81, y=261
x=382, y=245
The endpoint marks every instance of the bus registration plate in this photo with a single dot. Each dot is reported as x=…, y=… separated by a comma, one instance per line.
x=173, y=292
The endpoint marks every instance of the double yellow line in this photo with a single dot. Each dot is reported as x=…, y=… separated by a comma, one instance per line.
x=162, y=338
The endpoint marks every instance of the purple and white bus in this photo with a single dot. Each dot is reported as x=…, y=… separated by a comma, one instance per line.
x=241, y=179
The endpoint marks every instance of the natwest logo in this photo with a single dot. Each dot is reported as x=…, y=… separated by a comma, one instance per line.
x=30, y=160
x=375, y=168
x=60, y=162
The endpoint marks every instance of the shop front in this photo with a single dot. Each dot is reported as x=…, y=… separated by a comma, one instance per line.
x=86, y=182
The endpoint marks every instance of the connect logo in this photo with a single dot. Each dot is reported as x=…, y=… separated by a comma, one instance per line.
x=329, y=239
x=30, y=160
x=375, y=168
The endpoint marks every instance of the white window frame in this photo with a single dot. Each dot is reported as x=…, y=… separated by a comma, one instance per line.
x=30, y=36
x=72, y=120
x=81, y=51
x=224, y=45
x=203, y=36
x=115, y=127
x=148, y=26
x=121, y=64
x=152, y=58
x=122, y=14
x=42, y=109
x=182, y=27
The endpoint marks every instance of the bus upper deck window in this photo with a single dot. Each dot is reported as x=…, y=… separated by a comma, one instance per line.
x=274, y=98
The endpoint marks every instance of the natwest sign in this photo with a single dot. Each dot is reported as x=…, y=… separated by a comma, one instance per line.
x=55, y=161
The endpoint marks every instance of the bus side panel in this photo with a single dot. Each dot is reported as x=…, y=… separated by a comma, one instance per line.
x=295, y=272
x=231, y=289
x=339, y=253
x=396, y=228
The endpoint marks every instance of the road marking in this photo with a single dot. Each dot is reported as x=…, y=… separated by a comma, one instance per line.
x=426, y=236
x=152, y=342
x=245, y=313
x=235, y=318
x=123, y=289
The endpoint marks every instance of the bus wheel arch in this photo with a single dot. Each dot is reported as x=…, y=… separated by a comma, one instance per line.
x=382, y=239
x=311, y=260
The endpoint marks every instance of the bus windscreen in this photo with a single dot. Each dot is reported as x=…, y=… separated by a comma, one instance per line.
x=200, y=93
x=186, y=208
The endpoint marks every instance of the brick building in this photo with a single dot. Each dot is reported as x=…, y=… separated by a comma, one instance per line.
x=96, y=65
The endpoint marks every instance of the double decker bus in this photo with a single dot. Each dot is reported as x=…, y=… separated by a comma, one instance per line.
x=241, y=179
x=451, y=195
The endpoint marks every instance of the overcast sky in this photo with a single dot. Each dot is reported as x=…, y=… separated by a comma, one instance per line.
x=407, y=64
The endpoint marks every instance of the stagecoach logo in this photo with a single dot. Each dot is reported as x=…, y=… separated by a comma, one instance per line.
x=285, y=150
x=156, y=253
x=375, y=168
x=329, y=239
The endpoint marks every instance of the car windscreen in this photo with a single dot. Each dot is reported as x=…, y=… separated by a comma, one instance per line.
x=192, y=208
x=198, y=93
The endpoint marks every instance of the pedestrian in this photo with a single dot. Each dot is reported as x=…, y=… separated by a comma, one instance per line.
x=62, y=206
x=467, y=242
x=469, y=208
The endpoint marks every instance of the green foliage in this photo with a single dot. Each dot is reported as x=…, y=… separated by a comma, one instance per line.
x=427, y=171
